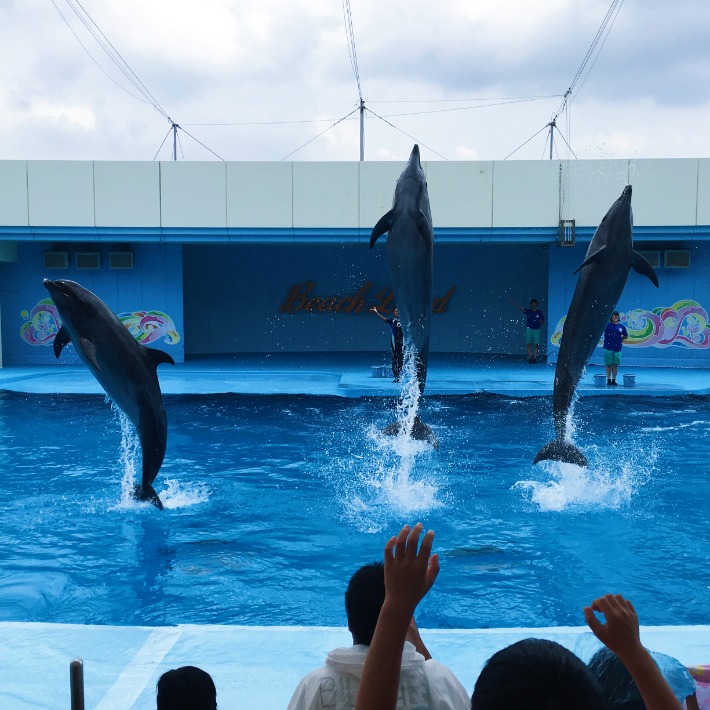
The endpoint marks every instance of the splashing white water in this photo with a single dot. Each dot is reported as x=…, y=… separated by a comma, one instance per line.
x=176, y=495
x=610, y=482
x=393, y=479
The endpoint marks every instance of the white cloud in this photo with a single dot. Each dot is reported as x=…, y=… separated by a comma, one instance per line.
x=269, y=62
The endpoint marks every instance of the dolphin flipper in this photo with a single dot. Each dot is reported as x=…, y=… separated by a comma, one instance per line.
x=89, y=348
x=382, y=227
x=591, y=259
x=424, y=228
x=560, y=450
x=641, y=266
x=61, y=339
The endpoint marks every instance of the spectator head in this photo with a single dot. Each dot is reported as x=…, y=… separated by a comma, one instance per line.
x=364, y=598
x=536, y=674
x=616, y=682
x=186, y=688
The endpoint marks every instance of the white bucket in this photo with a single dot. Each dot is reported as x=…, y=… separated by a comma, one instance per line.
x=630, y=380
x=599, y=380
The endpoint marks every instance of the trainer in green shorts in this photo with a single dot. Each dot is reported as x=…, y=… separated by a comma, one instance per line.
x=614, y=335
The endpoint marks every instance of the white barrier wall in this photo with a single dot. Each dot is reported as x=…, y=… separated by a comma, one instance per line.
x=479, y=194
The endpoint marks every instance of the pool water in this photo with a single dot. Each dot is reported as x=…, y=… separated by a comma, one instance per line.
x=273, y=501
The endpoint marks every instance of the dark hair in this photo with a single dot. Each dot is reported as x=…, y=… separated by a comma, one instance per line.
x=186, y=688
x=533, y=300
x=616, y=682
x=536, y=674
x=364, y=598
x=615, y=313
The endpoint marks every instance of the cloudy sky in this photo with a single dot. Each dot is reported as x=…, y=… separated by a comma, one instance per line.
x=258, y=79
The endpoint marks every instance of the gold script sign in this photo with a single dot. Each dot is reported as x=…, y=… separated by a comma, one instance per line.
x=301, y=298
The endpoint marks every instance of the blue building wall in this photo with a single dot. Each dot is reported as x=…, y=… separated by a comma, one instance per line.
x=668, y=326
x=154, y=285
x=254, y=297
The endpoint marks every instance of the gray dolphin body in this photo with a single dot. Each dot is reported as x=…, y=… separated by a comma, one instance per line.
x=410, y=248
x=126, y=369
x=602, y=278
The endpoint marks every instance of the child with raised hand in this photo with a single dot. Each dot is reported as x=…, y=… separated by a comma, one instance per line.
x=620, y=634
x=410, y=572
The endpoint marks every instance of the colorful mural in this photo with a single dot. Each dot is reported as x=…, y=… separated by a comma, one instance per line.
x=148, y=326
x=683, y=325
x=42, y=324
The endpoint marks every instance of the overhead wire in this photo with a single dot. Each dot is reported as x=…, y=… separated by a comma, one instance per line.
x=122, y=65
x=603, y=32
x=350, y=36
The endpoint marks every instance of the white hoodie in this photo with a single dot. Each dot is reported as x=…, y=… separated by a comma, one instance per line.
x=423, y=685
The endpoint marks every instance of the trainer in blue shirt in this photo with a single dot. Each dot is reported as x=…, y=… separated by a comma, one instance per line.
x=534, y=319
x=614, y=335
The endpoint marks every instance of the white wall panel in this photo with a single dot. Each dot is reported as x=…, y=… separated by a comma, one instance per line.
x=127, y=194
x=590, y=188
x=665, y=191
x=377, y=183
x=460, y=193
x=13, y=193
x=60, y=193
x=193, y=194
x=703, y=213
x=525, y=193
x=325, y=194
x=260, y=195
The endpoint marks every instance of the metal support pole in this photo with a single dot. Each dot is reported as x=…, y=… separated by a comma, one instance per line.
x=175, y=127
x=76, y=684
x=362, y=129
x=552, y=136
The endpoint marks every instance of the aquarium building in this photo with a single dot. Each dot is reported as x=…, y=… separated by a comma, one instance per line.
x=227, y=258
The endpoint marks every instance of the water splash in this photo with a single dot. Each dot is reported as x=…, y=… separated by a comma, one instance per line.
x=181, y=495
x=611, y=481
x=129, y=458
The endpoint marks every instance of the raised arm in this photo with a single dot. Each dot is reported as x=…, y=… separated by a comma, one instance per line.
x=518, y=306
x=409, y=574
x=620, y=634
x=377, y=313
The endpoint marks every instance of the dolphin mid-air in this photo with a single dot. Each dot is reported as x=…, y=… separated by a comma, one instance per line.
x=126, y=369
x=602, y=278
x=410, y=246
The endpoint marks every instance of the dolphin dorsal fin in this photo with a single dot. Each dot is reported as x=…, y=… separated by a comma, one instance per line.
x=89, y=350
x=384, y=225
x=641, y=266
x=591, y=259
x=61, y=339
x=157, y=357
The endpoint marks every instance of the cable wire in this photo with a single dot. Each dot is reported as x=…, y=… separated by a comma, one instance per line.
x=340, y=120
x=350, y=36
x=407, y=134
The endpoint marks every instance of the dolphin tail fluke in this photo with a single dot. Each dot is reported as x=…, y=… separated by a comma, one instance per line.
x=147, y=492
x=420, y=432
x=560, y=450
x=641, y=266
x=423, y=432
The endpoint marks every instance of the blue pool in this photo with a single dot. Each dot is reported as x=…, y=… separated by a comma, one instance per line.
x=273, y=501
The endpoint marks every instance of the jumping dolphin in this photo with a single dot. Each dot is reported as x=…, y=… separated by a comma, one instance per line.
x=410, y=246
x=126, y=369
x=602, y=278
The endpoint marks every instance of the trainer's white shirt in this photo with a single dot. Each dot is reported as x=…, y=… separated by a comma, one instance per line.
x=423, y=685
